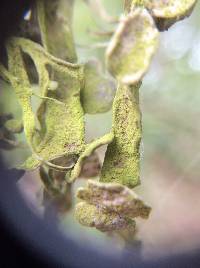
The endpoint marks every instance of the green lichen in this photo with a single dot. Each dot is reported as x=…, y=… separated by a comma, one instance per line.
x=90, y=216
x=109, y=206
x=59, y=109
x=114, y=198
x=122, y=159
x=20, y=83
x=98, y=92
x=134, y=43
x=170, y=8
x=56, y=132
x=166, y=13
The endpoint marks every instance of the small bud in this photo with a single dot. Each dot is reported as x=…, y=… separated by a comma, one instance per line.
x=109, y=206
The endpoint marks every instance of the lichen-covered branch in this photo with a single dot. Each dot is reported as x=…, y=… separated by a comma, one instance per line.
x=67, y=90
x=122, y=159
x=109, y=206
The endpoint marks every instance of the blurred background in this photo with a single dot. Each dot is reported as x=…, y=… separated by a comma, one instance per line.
x=170, y=150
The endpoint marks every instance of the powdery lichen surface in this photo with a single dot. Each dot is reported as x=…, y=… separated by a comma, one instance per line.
x=131, y=48
x=166, y=12
x=122, y=159
x=109, y=206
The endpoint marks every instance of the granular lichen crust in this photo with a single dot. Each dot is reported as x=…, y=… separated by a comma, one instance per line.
x=21, y=85
x=109, y=206
x=122, y=159
x=131, y=48
x=61, y=130
x=167, y=12
x=114, y=198
x=90, y=216
x=170, y=8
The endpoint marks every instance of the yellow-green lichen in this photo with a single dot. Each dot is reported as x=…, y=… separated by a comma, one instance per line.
x=167, y=12
x=109, y=206
x=20, y=83
x=122, y=159
x=114, y=198
x=90, y=216
x=130, y=51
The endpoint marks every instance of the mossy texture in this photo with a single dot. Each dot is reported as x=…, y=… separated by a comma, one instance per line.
x=114, y=197
x=20, y=83
x=166, y=13
x=60, y=115
x=122, y=159
x=109, y=206
x=56, y=132
x=90, y=216
x=131, y=48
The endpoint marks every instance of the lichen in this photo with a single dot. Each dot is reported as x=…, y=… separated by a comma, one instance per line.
x=114, y=198
x=109, y=206
x=166, y=13
x=134, y=43
x=58, y=111
x=55, y=133
x=122, y=159
x=90, y=216
x=20, y=83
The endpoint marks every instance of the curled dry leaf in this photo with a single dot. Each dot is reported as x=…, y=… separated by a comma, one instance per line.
x=109, y=206
x=167, y=12
x=130, y=51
